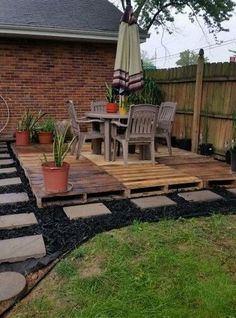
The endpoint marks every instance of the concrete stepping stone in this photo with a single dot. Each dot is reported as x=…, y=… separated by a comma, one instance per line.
x=200, y=196
x=17, y=220
x=11, y=285
x=86, y=211
x=6, y=198
x=153, y=202
x=232, y=191
x=6, y=161
x=21, y=248
x=7, y=170
x=9, y=181
x=5, y=155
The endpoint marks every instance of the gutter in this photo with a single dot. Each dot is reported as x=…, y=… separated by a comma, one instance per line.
x=62, y=34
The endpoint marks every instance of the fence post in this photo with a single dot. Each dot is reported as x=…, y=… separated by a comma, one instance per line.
x=197, y=102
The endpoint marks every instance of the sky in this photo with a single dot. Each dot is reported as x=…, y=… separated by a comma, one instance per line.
x=164, y=48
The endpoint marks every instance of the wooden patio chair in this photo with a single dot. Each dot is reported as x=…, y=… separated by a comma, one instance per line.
x=98, y=106
x=81, y=137
x=165, y=121
x=140, y=130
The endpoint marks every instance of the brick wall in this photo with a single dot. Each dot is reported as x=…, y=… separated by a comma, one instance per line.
x=44, y=74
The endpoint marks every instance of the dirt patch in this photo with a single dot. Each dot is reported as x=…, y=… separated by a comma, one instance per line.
x=91, y=267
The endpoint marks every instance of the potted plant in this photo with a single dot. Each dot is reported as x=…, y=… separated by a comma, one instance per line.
x=111, y=106
x=45, y=131
x=25, y=127
x=206, y=149
x=56, y=172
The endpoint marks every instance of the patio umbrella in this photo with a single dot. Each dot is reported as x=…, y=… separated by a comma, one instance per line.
x=128, y=72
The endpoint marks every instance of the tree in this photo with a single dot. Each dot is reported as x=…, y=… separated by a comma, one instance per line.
x=161, y=12
x=147, y=61
x=232, y=51
x=188, y=57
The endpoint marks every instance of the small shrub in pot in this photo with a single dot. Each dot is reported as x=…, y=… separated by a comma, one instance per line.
x=26, y=126
x=46, y=130
x=112, y=106
x=56, y=172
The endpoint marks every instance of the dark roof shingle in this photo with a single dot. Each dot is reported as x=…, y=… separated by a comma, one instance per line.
x=86, y=15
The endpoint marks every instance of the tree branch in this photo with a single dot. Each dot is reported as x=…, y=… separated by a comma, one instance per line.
x=139, y=8
x=158, y=12
x=123, y=4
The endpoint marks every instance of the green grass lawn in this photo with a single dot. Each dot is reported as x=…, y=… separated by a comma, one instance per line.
x=184, y=268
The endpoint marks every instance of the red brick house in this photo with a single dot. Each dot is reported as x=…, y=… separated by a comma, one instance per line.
x=55, y=50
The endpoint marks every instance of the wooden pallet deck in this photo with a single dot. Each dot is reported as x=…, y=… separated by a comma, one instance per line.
x=89, y=181
x=93, y=178
x=148, y=179
x=211, y=172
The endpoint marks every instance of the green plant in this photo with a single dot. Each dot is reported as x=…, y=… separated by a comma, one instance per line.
x=110, y=94
x=29, y=120
x=48, y=125
x=60, y=147
x=150, y=94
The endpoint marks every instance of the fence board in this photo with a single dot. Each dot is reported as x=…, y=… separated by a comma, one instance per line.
x=218, y=99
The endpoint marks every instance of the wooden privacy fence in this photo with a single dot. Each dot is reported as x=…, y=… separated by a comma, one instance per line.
x=215, y=95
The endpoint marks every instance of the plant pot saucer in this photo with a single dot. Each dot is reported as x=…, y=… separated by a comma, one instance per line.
x=69, y=188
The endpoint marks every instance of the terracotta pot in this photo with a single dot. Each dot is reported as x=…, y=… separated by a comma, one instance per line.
x=45, y=137
x=112, y=108
x=22, y=138
x=55, y=178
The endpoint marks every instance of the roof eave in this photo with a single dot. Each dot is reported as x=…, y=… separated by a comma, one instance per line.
x=61, y=34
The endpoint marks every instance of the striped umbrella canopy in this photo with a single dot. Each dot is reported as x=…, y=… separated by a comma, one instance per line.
x=128, y=72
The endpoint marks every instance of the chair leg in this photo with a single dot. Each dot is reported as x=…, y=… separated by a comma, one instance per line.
x=152, y=151
x=168, y=141
x=80, y=145
x=125, y=152
x=73, y=146
x=114, y=150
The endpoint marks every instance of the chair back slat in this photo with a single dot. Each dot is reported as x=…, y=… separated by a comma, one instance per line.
x=98, y=106
x=142, y=122
x=73, y=118
x=166, y=115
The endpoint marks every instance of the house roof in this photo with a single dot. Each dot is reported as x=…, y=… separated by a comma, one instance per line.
x=96, y=20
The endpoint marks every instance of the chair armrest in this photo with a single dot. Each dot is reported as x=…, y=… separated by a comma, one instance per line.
x=85, y=121
x=119, y=124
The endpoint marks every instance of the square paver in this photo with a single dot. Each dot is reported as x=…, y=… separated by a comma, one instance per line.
x=17, y=220
x=7, y=170
x=153, y=202
x=5, y=155
x=200, y=196
x=8, y=198
x=9, y=181
x=6, y=161
x=22, y=248
x=86, y=211
x=232, y=191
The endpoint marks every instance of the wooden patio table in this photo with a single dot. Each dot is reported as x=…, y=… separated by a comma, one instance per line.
x=107, y=117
